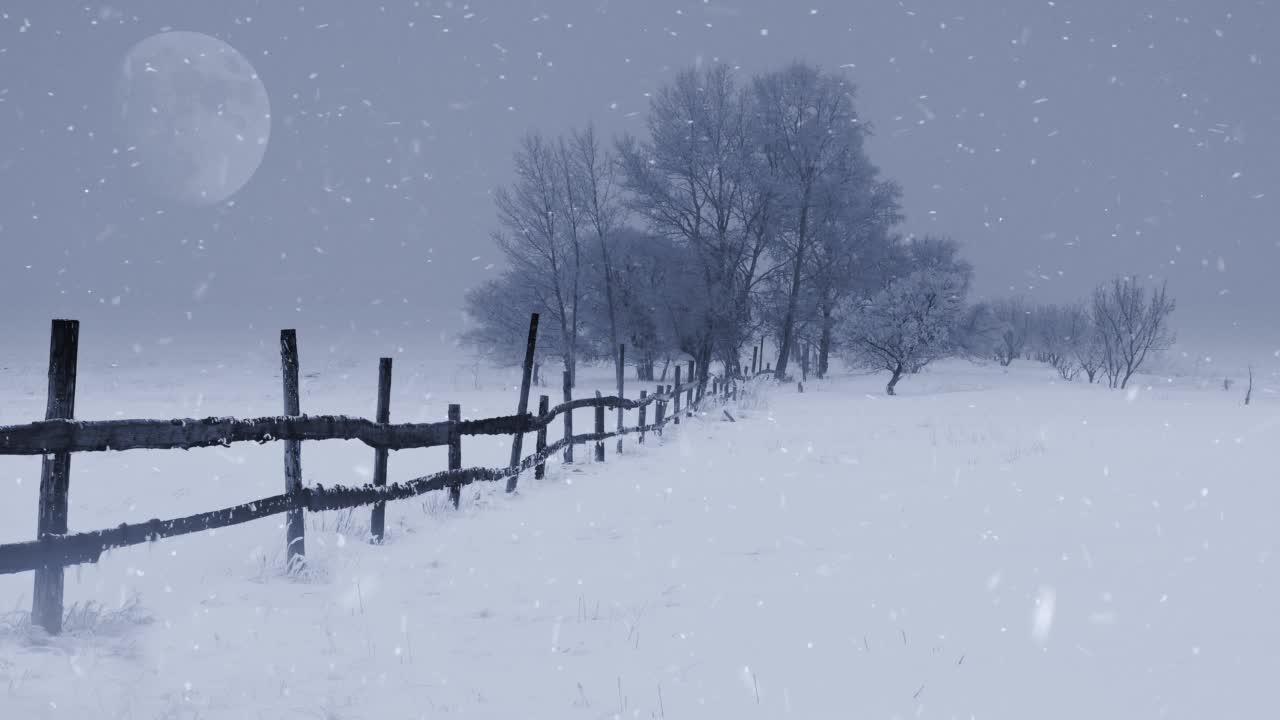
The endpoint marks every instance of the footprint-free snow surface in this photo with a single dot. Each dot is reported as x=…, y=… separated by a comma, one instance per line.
x=989, y=544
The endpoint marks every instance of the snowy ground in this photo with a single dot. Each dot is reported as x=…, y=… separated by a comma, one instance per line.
x=990, y=544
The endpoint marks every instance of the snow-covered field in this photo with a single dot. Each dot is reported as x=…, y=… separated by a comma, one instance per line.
x=990, y=544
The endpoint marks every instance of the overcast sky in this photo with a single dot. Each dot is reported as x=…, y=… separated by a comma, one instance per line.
x=1060, y=142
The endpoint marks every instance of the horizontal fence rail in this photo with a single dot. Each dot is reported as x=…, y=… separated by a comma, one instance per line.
x=51, y=436
x=87, y=547
x=59, y=436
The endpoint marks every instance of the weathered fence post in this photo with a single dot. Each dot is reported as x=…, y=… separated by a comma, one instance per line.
x=568, y=420
x=659, y=409
x=755, y=353
x=55, y=472
x=599, y=430
x=517, y=441
x=455, y=453
x=378, y=517
x=644, y=394
x=540, y=446
x=295, y=532
x=688, y=403
x=675, y=408
x=622, y=364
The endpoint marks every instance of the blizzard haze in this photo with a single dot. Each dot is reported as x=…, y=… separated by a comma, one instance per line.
x=961, y=392
x=1058, y=142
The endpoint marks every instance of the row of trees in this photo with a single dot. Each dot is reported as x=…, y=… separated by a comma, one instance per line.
x=1109, y=337
x=747, y=209
x=751, y=209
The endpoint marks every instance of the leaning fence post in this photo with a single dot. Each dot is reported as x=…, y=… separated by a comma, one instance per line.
x=55, y=472
x=644, y=394
x=755, y=353
x=568, y=420
x=455, y=454
x=295, y=533
x=599, y=429
x=544, y=404
x=517, y=441
x=675, y=408
x=378, y=517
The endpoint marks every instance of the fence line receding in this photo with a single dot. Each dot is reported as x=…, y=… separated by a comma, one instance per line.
x=59, y=436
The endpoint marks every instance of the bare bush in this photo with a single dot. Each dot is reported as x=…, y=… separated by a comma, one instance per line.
x=1132, y=322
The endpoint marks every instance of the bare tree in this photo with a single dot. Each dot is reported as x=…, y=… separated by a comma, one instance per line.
x=540, y=238
x=978, y=332
x=1054, y=338
x=692, y=181
x=906, y=326
x=591, y=175
x=1133, y=325
x=1085, y=344
x=498, y=319
x=1015, y=320
x=853, y=256
x=805, y=124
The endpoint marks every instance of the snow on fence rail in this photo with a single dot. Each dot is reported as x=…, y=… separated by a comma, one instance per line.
x=59, y=435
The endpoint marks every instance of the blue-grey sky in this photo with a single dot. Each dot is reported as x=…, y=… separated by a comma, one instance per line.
x=1060, y=142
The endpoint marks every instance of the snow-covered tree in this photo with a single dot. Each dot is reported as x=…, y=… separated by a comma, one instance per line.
x=906, y=326
x=805, y=128
x=693, y=180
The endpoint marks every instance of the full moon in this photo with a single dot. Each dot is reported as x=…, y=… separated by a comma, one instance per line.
x=195, y=115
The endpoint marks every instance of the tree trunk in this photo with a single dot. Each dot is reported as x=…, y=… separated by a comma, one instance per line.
x=824, y=347
x=893, y=381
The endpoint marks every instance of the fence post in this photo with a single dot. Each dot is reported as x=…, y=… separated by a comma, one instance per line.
x=755, y=353
x=644, y=394
x=675, y=408
x=455, y=453
x=378, y=517
x=599, y=430
x=517, y=442
x=688, y=403
x=55, y=472
x=540, y=470
x=295, y=533
x=659, y=409
x=568, y=420
x=622, y=371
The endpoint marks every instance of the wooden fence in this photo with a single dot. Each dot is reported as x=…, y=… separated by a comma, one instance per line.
x=60, y=435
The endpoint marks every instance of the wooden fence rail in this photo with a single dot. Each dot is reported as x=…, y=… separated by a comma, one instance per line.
x=59, y=436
